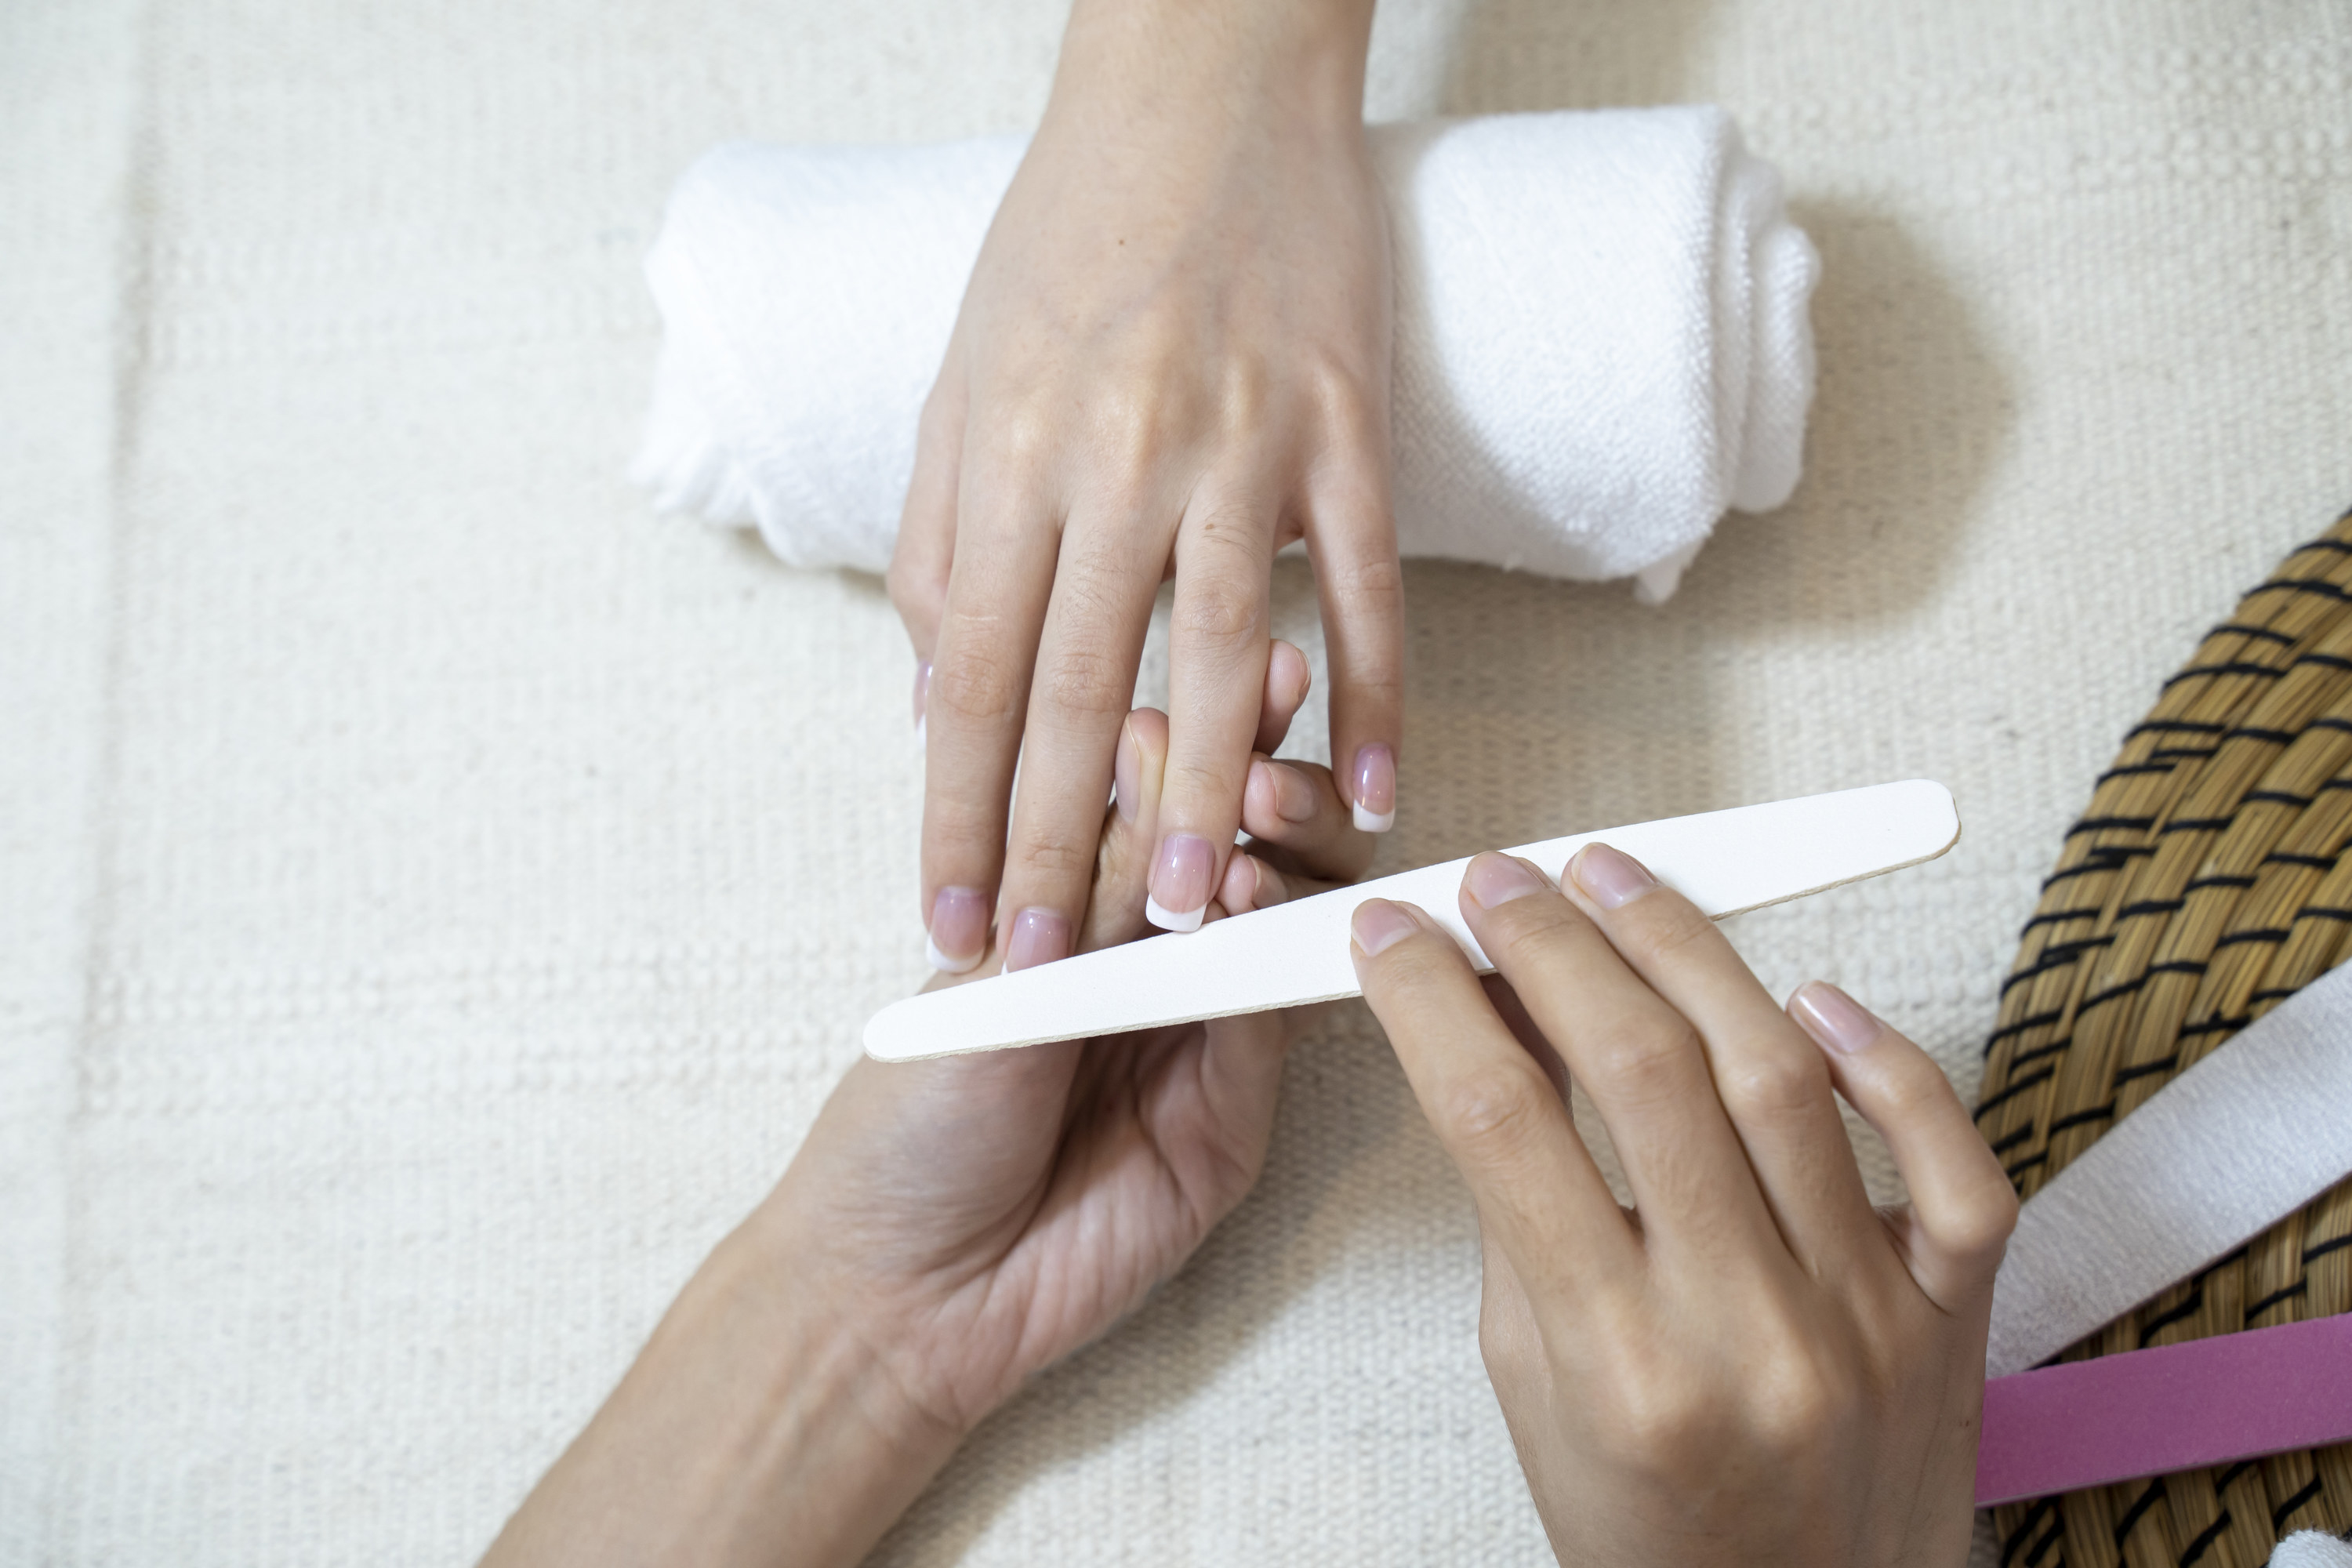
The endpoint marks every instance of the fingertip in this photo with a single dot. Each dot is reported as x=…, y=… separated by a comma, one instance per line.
x=1835, y=1021
x=1238, y=893
x=1288, y=675
x=1379, y=924
x=1149, y=728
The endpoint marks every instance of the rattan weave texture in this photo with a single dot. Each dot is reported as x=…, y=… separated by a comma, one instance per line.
x=2207, y=881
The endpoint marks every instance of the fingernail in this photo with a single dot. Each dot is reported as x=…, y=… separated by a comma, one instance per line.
x=1127, y=774
x=1179, y=882
x=922, y=695
x=1610, y=877
x=959, y=932
x=1833, y=1018
x=1379, y=924
x=1039, y=936
x=1496, y=879
x=1292, y=796
x=1375, y=789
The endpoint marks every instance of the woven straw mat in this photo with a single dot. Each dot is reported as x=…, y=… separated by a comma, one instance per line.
x=2207, y=882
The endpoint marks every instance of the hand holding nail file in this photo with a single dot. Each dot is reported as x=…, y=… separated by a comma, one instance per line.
x=1727, y=862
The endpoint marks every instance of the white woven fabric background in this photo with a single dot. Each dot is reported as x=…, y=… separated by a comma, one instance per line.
x=435, y=895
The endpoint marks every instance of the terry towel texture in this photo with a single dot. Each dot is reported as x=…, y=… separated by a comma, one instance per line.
x=1601, y=340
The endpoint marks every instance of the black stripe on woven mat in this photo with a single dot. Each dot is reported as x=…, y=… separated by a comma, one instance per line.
x=2320, y=586
x=2140, y=1505
x=2162, y=1064
x=2054, y=917
x=2228, y=667
x=2013, y=1091
x=2233, y=628
x=2286, y=1293
x=2033, y=1516
x=2206, y=1538
x=2285, y=1510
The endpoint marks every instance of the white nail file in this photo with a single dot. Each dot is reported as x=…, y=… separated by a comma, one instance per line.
x=1725, y=862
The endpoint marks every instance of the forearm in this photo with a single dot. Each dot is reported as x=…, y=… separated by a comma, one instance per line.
x=753, y=1429
x=1184, y=60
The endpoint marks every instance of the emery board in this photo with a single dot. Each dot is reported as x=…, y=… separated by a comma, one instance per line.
x=1725, y=862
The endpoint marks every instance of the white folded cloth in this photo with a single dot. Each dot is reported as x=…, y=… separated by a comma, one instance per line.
x=1601, y=340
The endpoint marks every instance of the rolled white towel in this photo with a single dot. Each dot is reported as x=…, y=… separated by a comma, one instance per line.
x=1601, y=340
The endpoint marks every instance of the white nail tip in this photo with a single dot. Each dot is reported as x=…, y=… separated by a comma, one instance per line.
x=1167, y=920
x=942, y=963
x=1373, y=821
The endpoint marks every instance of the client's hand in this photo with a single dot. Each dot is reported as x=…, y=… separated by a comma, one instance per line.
x=949, y=1229
x=1173, y=357
x=1752, y=1366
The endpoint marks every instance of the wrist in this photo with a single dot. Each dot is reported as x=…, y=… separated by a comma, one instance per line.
x=1290, y=63
x=755, y=1427
x=828, y=1424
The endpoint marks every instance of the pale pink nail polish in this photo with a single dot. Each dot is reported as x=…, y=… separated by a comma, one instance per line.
x=1179, y=896
x=1375, y=803
x=959, y=929
x=1610, y=878
x=1833, y=1018
x=1039, y=936
x=1378, y=924
x=1496, y=879
x=1127, y=774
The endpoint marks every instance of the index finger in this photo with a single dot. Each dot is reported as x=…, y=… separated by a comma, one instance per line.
x=1490, y=1103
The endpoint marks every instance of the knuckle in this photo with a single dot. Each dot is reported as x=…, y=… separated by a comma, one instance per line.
x=981, y=683
x=1980, y=1222
x=1777, y=1085
x=1193, y=779
x=1087, y=680
x=1794, y=1400
x=1222, y=615
x=1640, y=1059
x=1492, y=1116
x=1375, y=580
x=1021, y=438
x=1663, y=1417
x=1056, y=862
x=1667, y=929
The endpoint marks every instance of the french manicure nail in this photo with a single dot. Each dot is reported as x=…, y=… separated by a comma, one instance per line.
x=1494, y=880
x=1127, y=774
x=922, y=696
x=959, y=930
x=1608, y=876
x=1039, y=936
x=1833, y=1018
x=1375, y=807
x=1179, y=896
x=1379, y=924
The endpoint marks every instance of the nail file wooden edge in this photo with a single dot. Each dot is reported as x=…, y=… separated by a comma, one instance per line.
x=1727, y=862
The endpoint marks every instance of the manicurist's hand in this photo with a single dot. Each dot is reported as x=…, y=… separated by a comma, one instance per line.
x=949, y=1229
x=1173, y=357
x=1752, y=1366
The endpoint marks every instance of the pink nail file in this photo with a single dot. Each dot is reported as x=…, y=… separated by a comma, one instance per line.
x=2177, y=1407
x=1725, y=862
